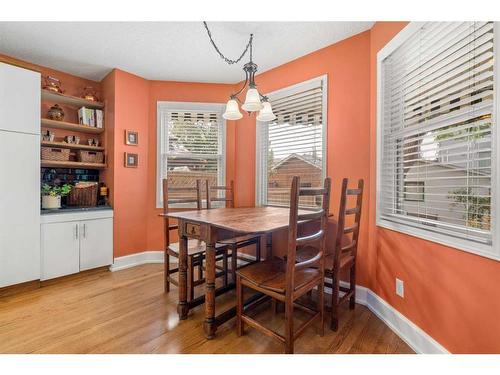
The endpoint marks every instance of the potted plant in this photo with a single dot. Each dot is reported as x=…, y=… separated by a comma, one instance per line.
x=51, y=195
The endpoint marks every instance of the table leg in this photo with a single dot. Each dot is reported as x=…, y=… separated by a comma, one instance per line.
x=210, y=324
x=182, y=306
x=269, y=246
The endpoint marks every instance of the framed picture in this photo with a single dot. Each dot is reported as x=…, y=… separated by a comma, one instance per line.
x=131, y=138
x=131, y=160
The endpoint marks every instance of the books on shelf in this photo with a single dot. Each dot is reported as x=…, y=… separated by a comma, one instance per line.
x=91, y=117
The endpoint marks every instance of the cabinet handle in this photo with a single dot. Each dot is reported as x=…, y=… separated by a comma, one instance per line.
x=76, y=231
x=84, y=230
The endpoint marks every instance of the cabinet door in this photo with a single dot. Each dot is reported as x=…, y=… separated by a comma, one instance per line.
x=19, y=99
x=19, y=207
x=96, y=243
x=60, y=249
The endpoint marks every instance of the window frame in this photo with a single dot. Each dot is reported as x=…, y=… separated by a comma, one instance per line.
x=489, y=251
x=261, y=159
x=168, y=106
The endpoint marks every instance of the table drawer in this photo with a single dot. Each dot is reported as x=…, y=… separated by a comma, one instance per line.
x=193, y=230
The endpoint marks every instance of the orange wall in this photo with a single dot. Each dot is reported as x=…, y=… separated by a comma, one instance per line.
x=348, y=141
x=451, y=294
x=131, y=102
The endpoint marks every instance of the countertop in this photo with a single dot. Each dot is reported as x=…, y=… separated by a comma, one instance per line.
x=64, y=210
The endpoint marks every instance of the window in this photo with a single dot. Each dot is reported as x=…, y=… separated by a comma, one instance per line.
x=436, y=152
x=293, y=144
x=191, y=144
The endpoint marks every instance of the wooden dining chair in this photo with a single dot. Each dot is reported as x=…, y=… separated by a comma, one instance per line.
x=196, y=248
x=344, y=256
x=286, y=280
x=235, y=243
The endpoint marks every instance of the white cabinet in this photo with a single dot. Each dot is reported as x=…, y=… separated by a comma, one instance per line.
x=60, y=249
x=95, y=238
x=74, y=242
x=19, y=175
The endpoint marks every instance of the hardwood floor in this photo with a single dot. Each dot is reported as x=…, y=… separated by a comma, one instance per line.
x=127, y=312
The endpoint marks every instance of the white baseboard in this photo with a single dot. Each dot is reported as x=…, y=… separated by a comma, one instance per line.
x=137, y=259
x=409, y=332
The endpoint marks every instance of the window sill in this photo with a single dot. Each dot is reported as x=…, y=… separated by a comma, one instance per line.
x=486, y=251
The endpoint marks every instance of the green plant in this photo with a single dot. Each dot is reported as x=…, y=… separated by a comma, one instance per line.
x=55, y=191
x=477, y=207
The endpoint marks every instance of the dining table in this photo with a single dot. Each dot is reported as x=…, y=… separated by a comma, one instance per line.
x=212, y=226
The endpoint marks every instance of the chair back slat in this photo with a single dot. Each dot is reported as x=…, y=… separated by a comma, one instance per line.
x=316, y=239
x=228, y=196
x=342, y=230
x=179, y=199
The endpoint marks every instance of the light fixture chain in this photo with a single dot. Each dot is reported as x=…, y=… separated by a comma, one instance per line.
x=229, y=61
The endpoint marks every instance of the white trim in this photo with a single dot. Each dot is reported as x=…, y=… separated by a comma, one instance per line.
x=260, y=179
x=128, y=261
x=488, y=251
x=163, y=106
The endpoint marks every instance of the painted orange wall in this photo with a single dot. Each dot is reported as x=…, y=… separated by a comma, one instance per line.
x=348, y=139
x=450, y=294
x=131, y=102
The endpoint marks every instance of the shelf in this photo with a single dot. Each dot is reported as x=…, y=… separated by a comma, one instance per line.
x=70, y=126
x=70, y=100
x=71, y=146
x=71, y=164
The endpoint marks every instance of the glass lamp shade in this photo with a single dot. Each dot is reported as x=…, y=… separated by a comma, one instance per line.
x=252, y=101
x=266, y=113
x=232, y=111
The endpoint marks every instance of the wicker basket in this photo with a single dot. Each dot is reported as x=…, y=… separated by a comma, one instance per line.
x=55, y=154
x=83, y=194
x=90, y=156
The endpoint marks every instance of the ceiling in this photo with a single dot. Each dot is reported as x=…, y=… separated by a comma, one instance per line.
x=177, y=51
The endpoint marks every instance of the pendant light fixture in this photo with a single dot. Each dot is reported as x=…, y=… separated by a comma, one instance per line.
x=254, y=101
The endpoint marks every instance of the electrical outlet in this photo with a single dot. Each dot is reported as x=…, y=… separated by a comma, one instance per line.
x=400, y=288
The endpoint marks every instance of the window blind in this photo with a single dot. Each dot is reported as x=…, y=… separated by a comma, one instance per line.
x=191, y=147
x=436, y=153
x=293, y=144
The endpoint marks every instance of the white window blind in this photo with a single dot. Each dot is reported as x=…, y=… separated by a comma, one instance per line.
x=191, y=144
x=436, y=132
x=293, y=144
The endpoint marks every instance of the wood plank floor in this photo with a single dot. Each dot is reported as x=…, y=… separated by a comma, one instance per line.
x=127, y=312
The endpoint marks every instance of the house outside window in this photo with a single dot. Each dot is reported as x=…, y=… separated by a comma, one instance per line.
x=437, y=159
x=190, y=144
x=294, y=144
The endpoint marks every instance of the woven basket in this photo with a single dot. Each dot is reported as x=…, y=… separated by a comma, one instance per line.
x=90, y=156
x=83, y=194
x=56, y=154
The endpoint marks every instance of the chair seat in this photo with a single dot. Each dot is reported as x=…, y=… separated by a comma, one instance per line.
x=195, y=247
x=271, y=275
x=239, y=239
x=303, y=254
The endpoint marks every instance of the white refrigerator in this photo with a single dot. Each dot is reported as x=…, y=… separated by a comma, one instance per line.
x=19, y=175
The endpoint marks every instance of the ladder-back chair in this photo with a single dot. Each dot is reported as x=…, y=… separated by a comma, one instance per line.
x=287, y=280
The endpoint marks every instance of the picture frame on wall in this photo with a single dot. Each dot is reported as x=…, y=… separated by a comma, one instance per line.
x=131, y=138
x=131, y=160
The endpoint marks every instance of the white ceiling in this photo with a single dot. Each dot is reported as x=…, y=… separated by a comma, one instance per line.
x=178, y=51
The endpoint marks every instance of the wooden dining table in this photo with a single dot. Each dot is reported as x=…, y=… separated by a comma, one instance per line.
x=212, y=226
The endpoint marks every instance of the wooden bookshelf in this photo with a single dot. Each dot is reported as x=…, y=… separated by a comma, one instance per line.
x=72, y=146
x=71, y=164
x=70, y=126
x=70, y=100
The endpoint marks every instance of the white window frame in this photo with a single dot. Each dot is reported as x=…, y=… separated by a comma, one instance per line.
x=488, y=251
x=261, y=158
x=161, y=108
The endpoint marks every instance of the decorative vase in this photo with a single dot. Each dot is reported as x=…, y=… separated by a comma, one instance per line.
x=52, y=84
x=56, y=113
x=50, y=202
x=90, y=94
